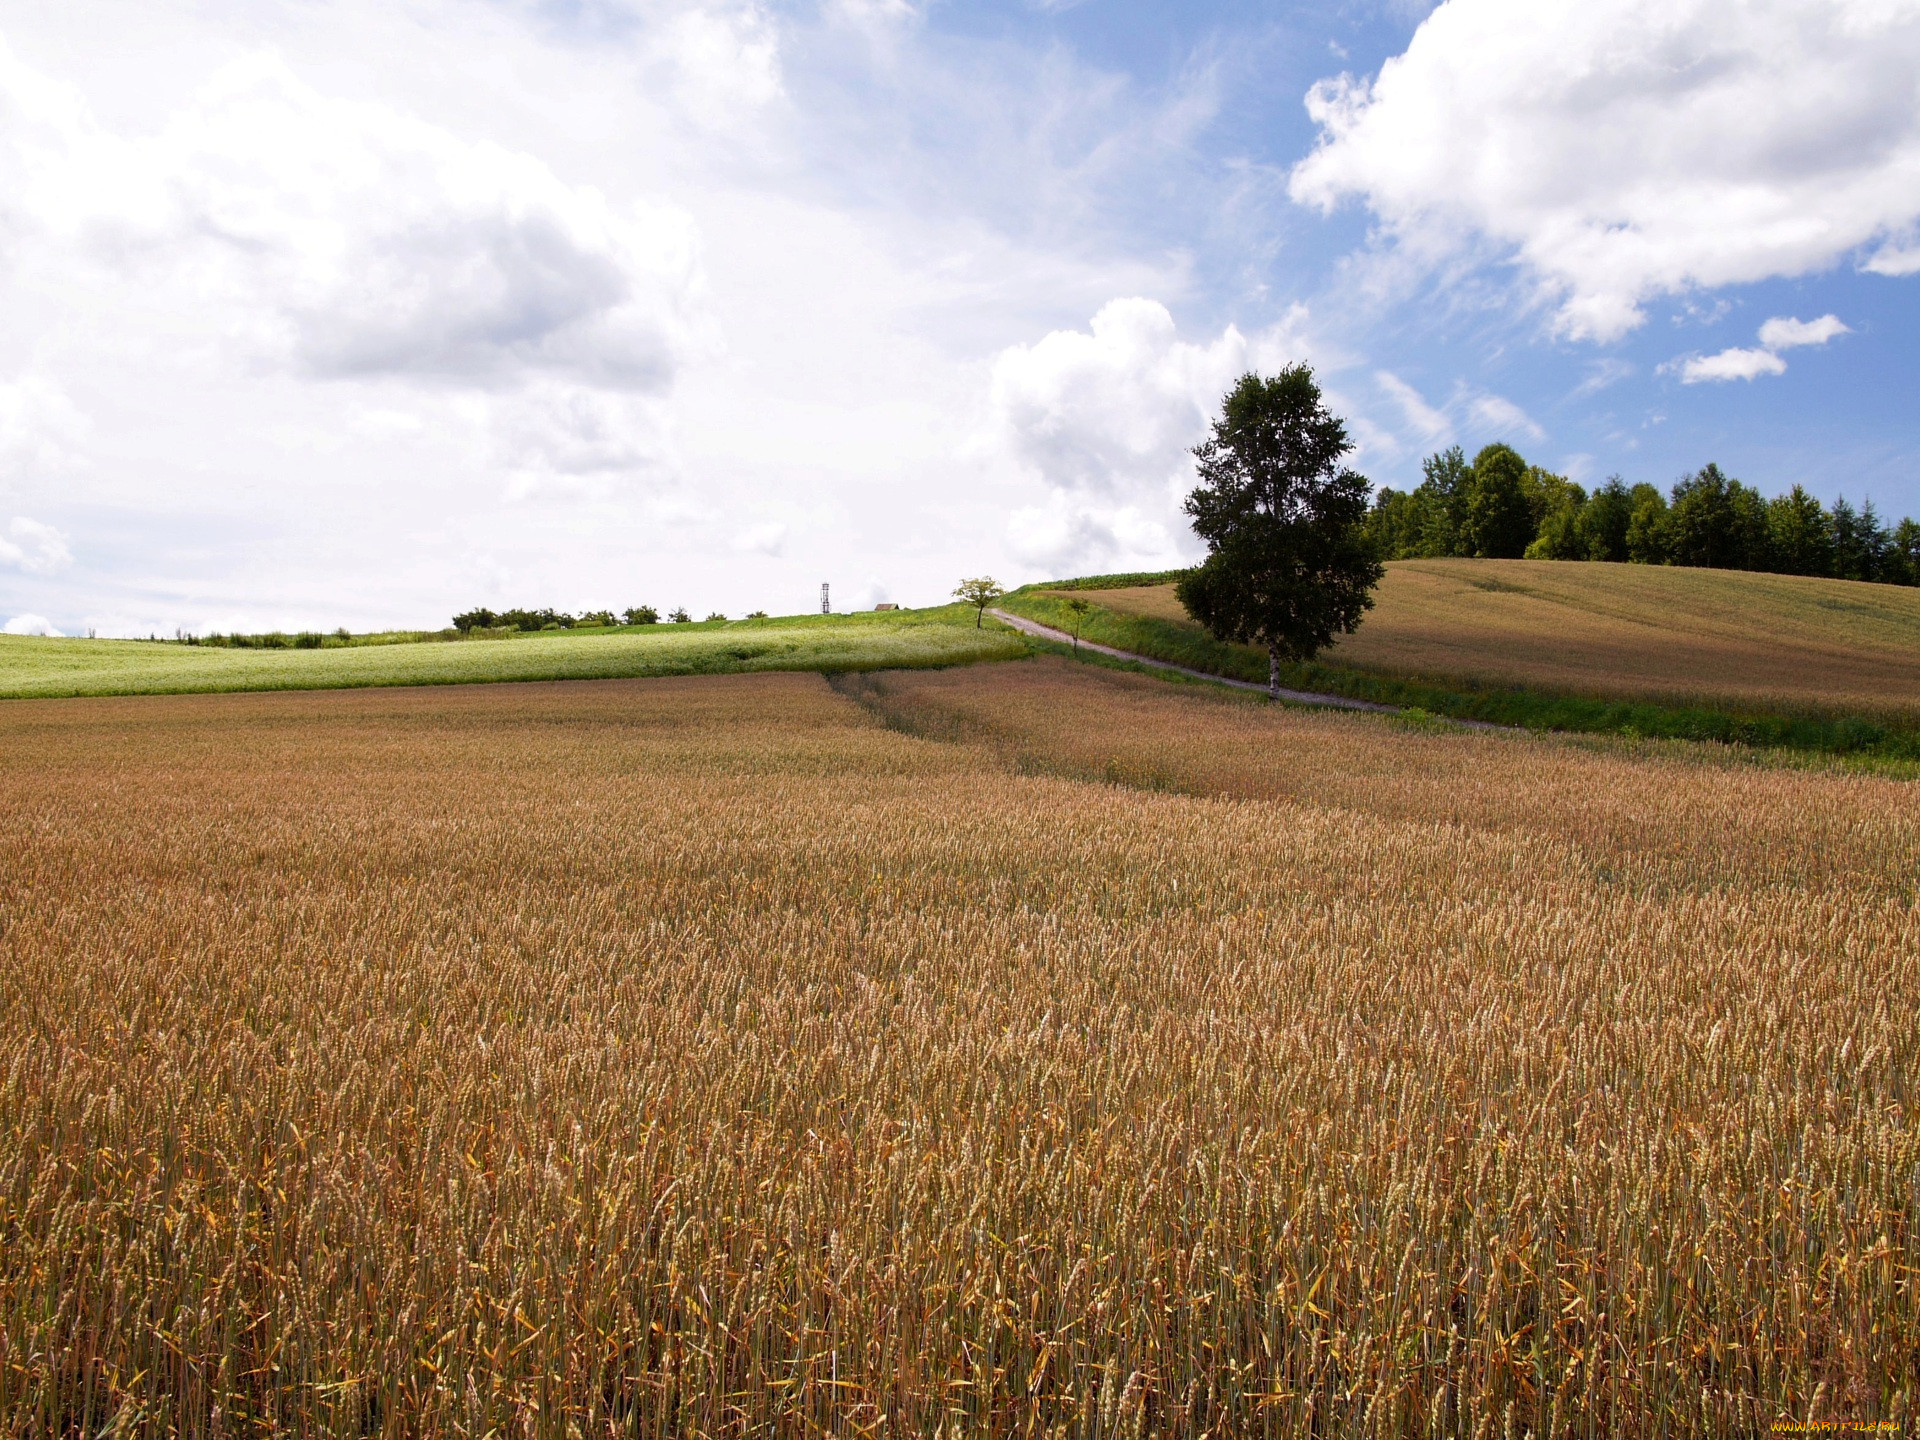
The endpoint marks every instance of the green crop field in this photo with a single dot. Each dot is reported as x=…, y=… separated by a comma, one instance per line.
x=39, y=667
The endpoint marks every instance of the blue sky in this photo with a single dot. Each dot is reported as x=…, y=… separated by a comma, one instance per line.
x=339, y=312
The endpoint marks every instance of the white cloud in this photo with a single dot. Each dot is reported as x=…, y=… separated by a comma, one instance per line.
x=29, y=625
x=1104, y=421
x=1783, y=333
x=726, y=63
x=341, y=289
x=31, y=546
x=346, y=239
x=1780, y=333
x=765, y=539
x=1730, y=364
x=1602, y=373
x=1624, y=149
x=1896, y=257
x=1063, y=534
x=1113, y=410
x=1433, y=427
x=1501, y=416
x=555, y=437
x=40, y=428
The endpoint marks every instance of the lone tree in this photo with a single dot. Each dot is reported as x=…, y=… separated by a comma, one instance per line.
x=979, y=594
x=1078, y=608
x=1289, y=564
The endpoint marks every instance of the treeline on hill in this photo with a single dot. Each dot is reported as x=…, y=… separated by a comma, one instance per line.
x=1499, y=506
x=484, y=619
x=481, y=618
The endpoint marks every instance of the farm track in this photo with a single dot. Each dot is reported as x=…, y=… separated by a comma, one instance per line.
x=1294, y=697
x=1320, y=698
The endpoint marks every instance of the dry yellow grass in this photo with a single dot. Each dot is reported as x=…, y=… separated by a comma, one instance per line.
x=1635, y=632
x=727, y=1057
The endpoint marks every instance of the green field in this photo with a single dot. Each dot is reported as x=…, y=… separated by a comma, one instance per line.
x=32, y=666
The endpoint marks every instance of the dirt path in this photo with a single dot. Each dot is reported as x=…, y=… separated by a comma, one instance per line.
x=1298, y=697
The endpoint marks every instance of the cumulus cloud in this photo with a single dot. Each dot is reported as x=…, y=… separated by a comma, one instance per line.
x=345, y=239
x=1780, y=333
x=1104, y=419
x=1114, y=409
x=29, y=625
x=1624, y=149
x=1783, y=332
x=1063, y=534
x=1734, y=363
x=1896, y=257
x=31, y=546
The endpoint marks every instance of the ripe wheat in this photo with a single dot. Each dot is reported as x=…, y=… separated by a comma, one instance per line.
x=1000, y=1052
x=1727, y=638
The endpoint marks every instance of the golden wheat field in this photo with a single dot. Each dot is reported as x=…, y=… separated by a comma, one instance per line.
x=1020, y=1050
x=1632, y=632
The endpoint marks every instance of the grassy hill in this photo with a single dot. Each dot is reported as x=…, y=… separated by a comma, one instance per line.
x=40, y=667
x=1722, y=654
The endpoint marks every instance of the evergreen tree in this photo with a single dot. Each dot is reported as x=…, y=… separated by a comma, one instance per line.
x=1716, y=523
x=1602, y=527
x=1861, y=545
x=1903, y=557
x=1798, y=534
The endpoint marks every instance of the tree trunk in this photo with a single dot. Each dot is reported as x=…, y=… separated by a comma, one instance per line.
x=1273, y=672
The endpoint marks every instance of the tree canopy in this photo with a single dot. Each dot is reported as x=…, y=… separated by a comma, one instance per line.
x=1289, y=563
x=979, y=593
x=1502, y=507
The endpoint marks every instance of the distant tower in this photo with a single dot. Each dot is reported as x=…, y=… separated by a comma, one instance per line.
x=826, y=605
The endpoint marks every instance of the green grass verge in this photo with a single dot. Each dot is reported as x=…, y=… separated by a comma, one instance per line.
x=1191, y=646
x=35, y=667
x=1125, y=581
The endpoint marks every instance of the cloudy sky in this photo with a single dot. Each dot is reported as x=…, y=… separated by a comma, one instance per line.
x=357, y=312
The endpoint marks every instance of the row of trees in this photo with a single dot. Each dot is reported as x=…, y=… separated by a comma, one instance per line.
x=1500, y=506
x=481, y=618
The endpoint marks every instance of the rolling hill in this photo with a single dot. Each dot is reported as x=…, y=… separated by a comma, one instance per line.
x=1587, y=646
